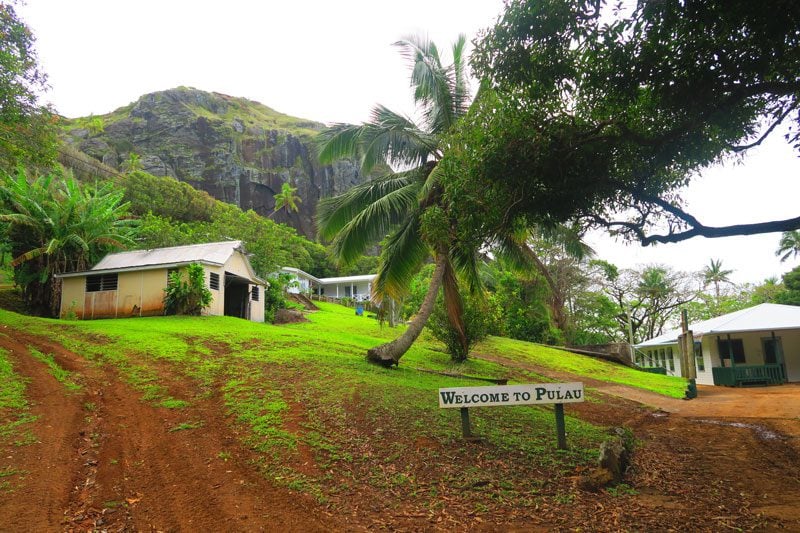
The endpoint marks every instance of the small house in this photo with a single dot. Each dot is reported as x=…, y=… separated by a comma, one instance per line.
x=301, y=282
x=760, y=344
x=132, y=283
x=358, y=288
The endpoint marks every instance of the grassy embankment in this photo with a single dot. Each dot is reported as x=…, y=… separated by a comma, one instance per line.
x=306, y=388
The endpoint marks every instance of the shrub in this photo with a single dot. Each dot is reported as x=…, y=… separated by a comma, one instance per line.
x=275, y=295
x=187, y=297
x=480, y=320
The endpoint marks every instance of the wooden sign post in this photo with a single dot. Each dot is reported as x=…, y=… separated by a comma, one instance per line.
x=543, y=393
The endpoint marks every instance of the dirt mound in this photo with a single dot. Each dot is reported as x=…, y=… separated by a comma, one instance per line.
x=289, y=316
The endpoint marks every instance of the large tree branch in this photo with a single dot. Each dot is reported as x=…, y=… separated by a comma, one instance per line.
x=695, y=227
x=713, y=232
x=779, y=120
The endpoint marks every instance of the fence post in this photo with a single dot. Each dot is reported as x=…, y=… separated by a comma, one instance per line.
x=465, y=429
x=561, y=430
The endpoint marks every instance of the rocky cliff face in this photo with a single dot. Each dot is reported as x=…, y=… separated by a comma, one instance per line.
x=237, y=150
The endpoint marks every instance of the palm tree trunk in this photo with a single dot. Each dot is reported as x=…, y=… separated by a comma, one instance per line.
x=556, y=296
x=389, y=354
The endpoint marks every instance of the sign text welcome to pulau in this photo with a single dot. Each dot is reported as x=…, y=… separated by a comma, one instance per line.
x=511, y=395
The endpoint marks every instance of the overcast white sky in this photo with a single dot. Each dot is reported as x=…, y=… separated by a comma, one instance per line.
x=330, y=61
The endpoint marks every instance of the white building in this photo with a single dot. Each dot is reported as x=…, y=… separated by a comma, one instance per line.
x=760, y=344
x=357, y=287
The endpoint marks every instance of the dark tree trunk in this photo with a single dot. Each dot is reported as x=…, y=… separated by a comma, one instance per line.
x=389, y=354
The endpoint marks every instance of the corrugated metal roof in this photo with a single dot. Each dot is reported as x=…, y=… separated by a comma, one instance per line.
x=762, y=317
x=347, y=279
x=213, y=252
x=300, y=273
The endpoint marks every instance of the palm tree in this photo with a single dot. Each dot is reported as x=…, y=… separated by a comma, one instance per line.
x=403, y=209
x=714, y=273
x=520, y=249
x=789, y=245
x=133, y=163
x=55, y=226
x=286, y=199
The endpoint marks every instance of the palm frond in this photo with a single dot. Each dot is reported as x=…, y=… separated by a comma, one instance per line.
x=465, y=260
x=340, y=141
x=389, y=136
x=403, y=254
x=372, y=223
x=334, y=213
x=569, y=238
x=515, y=252
x=461, y=99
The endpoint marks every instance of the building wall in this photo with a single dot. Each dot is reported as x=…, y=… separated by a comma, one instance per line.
x=339, y=290
x=790, y=341
x=298, y=284
x=754, y=350
x=667, y=357
x=138, y=294
x=257, y=308
x=217, y=305
x=72, y=296
x=141, y=293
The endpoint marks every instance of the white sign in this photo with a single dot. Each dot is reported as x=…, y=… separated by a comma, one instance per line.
x=540, y=393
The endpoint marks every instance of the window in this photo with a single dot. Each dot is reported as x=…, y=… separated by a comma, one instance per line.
x=662, y=359
x=698, y=356
x=213, y=281
x=725, y=349
x=101, y=282
x=670, y=360
x=254, y=293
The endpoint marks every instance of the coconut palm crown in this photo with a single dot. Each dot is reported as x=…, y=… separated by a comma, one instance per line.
x=395, y=208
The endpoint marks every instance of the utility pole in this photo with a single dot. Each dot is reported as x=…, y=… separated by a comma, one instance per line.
x=686, y=345
x=630, y=334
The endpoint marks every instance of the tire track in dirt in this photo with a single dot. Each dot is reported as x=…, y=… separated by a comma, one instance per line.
x=53, y=467
x=128, y=471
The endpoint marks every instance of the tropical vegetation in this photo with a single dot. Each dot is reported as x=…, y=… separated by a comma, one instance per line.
x=53, y=225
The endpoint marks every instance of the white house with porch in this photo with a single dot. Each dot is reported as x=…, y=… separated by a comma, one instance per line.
x=760, y=344
x=358, y=288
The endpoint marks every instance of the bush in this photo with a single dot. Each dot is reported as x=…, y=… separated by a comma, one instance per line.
x=275, y=295
x=187, y=297
x=480, y=320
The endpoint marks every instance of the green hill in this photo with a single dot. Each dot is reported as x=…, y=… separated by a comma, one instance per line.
x=305, y=390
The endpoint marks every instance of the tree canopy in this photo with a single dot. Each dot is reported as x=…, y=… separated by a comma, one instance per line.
x=593, y=113
x=26, y=128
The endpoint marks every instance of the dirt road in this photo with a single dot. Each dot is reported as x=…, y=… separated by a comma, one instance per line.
x=103, y=459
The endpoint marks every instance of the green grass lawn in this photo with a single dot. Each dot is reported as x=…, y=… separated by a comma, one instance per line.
x=352, y=415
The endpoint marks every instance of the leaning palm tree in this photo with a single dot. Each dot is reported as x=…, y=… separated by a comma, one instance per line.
x=404, y=210
x=789, y=245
